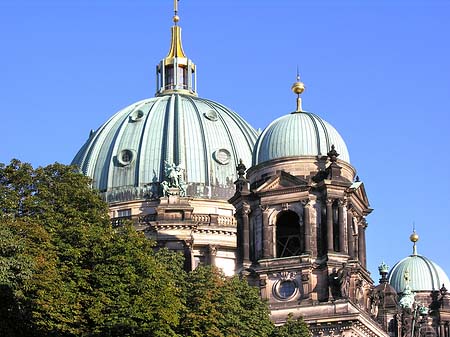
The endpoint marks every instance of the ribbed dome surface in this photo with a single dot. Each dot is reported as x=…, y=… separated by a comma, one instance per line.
x=298, y=134
x=424, y=274
x=125, y=157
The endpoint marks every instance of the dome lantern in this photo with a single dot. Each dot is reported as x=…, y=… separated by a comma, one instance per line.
x=176, y=72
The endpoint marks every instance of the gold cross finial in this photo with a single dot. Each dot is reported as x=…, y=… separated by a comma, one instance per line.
x=176, y=18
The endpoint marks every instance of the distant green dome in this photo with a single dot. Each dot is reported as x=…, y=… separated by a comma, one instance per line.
x=298, y=134
x=424, y=274
x=125, y=157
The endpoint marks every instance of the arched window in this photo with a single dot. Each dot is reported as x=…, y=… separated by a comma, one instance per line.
x=288, y=234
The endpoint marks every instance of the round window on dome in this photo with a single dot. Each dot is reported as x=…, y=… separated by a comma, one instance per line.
x=136, y=115
x=222, y=156
x=125, y=157
x=211, y=115
x=285, y=289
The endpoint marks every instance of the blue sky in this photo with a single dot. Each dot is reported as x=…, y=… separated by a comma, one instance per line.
x=378, y=71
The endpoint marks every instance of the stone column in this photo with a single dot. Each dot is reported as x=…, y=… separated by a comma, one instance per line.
x=313, y=226
x=342, y=242
x=189, y=263
x=245, y=233
x=356, y=241
x=307, y=224
x=330, y=237
x=265, y=232
x=361, y=243
x=441, y=330
x=362, y=238
x=351, y=248
x=212, y=252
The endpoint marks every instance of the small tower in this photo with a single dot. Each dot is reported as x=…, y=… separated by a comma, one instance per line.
x=301, y=225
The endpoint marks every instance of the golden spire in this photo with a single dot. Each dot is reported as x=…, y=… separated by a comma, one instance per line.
x=414, y=237
x=176, y=48
x=298, y=87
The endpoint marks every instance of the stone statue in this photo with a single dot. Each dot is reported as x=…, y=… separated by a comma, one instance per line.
x=406, y=323
x=375, y=301
x=344, y=281
x=407, y=300
x=171, y=173
x=333, y=283
x=173, y=178
x=359, y=293
x=165, y=188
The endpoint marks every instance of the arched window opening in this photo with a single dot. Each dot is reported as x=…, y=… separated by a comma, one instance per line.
x=336, y=243
x=288, y=234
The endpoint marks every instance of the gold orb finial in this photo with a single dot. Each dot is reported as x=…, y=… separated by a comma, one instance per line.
x=176, y=18
x=414, y=237
x=297, y=88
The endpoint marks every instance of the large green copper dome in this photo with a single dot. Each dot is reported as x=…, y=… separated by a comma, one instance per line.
x=422, y=274
x=199, y=141
x=125, y=157
x=298, y=134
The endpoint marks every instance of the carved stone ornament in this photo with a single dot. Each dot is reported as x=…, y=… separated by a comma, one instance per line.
x=212, y=249
x=306, y=202
x=284, y=206
x=286, y=275
x=264, y=208
x=188, y=244
x=333, y=154
x=342, y=202
x=329, y=201
x=246, y=209
x=364, y=222
x=240, y=168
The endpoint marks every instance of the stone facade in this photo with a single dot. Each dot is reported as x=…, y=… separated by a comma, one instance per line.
x=204, y=230
x=301, y=240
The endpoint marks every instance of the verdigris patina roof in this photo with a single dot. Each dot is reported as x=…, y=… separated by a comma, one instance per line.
x=423, y=274
x=298, y=134
x=125, y=157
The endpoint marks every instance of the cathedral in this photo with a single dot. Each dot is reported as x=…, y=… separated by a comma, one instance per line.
x=282, y=208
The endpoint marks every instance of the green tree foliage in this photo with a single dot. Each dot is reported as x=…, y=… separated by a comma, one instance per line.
x=292, y=328
x=221, y=306
x=64, y=271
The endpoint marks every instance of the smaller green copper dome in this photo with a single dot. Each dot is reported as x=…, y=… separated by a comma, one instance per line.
x=298, y=134
x=424, y=274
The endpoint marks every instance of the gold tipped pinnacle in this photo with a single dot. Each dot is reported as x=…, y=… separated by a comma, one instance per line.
x=414, y=237
x=176, y=47
x=298, y=88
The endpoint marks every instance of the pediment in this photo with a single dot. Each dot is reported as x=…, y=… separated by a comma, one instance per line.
x=281, y=180
x=360, y=192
